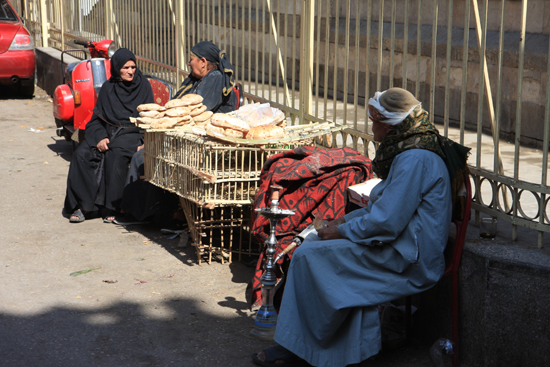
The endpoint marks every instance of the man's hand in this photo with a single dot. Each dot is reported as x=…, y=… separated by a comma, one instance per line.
x=102, y=145
x=329, y=233
x=336, y=222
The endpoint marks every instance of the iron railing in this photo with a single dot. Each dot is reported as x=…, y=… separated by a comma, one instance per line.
x=479, y=67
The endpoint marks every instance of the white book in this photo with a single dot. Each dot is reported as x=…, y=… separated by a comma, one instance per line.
x=360, y=193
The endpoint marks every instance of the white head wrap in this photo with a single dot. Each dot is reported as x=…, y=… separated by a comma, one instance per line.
x=390, y=118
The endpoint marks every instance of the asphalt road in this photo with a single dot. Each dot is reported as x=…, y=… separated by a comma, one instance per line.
x=148, y=303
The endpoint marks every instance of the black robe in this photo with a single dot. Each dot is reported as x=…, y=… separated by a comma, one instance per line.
x=210, y=88
x=97, y=179
x=143, y=199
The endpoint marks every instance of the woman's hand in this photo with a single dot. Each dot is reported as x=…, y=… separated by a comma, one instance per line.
x=140, y=147
x=102, y=145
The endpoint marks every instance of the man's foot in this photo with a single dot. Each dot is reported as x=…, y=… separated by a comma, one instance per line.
x=277, y=356
x=128, y=220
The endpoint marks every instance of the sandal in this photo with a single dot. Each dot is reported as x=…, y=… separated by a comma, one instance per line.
x=278, y=353
x=110, y=217
x=77, y=216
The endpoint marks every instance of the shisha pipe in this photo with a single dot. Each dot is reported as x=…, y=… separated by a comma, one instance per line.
x=266, y=318
x=297, y=241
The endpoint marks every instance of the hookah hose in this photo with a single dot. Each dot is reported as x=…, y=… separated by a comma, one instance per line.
x=297, y=242
x=313, y=227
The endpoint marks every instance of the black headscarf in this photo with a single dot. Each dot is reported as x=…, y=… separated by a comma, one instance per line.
x=211, y=53
x=118, y=99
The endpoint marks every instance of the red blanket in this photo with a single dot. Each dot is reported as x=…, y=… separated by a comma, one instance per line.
x=315, y=183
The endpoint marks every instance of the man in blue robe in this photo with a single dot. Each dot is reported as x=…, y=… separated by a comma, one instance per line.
x=390, y=249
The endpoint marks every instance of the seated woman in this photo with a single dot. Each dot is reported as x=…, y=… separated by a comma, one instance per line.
x=390, y=249
x=211, y=77
x=100, y=163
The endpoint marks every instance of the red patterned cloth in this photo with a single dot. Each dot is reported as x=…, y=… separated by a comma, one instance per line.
x=314, y=182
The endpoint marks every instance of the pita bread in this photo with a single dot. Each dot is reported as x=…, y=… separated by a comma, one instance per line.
x=145, y=120
x=206, y=115
x=193, y=106
x=164, y=123
x=184, y=118
x=153, y=114
x=265, y=132
x=229, y=122
x=177, y=111
x=150, y=107
x=213, y=128
x=198, y=111
x=192, y=98
x=186, y=100
x=233, y=133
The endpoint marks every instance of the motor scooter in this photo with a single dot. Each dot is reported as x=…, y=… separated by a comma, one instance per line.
x=75, y=99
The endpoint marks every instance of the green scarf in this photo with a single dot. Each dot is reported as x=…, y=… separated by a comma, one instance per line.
x=417, y=132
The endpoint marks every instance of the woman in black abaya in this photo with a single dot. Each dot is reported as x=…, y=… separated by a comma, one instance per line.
x=98, y=169
x=211, y=77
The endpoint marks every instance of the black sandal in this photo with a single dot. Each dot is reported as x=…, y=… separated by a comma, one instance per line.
x=77, y=216
x=112, y=214
x=279, y=353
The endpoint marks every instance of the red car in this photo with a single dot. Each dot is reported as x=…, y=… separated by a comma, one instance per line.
x=16, y=52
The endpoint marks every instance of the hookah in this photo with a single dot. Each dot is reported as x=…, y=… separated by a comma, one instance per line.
x=266, y=318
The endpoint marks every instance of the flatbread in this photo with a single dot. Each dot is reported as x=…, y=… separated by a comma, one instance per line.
x=164, y=123
x=206, y=115
x=214, y=129
x=229, y=122
x=198, y=111
x=153, y=114
x=177, y=111
x=184, y=118
x=233, y=133
x=150, y=107
x=192, y=98
x=265, y=132
x=186, y=100
x=145, y=120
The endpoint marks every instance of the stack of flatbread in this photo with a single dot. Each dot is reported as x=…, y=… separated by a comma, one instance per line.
x=222, y=124
x=260, y=115
x=180, y=112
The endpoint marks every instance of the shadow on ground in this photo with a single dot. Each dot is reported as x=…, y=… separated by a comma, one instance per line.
x=62, y=148
x=161, y=333
x=168, y=332
x=11, y=92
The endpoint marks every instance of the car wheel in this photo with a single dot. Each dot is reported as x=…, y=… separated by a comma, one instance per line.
x=27, y=91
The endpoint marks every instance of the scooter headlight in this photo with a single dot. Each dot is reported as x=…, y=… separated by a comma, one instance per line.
x=112, y=49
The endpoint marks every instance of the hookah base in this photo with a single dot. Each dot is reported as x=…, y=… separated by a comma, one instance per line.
x=265, y=323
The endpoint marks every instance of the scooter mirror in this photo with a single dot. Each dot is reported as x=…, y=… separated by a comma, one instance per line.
x=112, y=49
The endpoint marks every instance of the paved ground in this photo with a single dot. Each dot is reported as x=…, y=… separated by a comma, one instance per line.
x=158, y=308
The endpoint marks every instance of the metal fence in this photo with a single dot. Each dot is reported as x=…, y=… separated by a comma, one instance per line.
x=479, y=67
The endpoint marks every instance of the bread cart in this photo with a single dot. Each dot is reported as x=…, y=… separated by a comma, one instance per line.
x=216, y=180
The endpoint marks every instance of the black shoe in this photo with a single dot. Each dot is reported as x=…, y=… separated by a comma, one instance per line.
x=128, y=220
